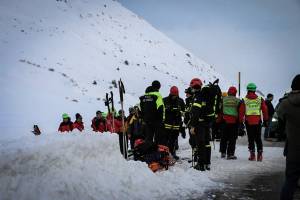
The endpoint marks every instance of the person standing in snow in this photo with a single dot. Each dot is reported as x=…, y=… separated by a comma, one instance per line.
x=134, y=126
x=229, y=115
x=289, y=118
x=174, y=106
x=187, y=114
x=250, y=111
x=271, y=112
x=78, y=124
x=153, y=115
x=119, y=130
x=201, y=118
x=99, y=123
x=66, y=125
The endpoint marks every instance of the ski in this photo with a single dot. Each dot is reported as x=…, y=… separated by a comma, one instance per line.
x=122, y=92
x=113, y=110
x=107, y=102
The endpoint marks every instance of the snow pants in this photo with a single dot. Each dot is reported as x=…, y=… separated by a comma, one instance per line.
x=203, y=147
x=254, y=137
x=172, y=139
x=292, y=176
x=228, y=139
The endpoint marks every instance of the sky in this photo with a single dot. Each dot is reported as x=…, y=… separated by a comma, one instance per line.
x=259, y=38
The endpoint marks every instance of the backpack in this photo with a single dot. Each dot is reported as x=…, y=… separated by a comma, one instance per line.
x=157, y=157
x=213, y=95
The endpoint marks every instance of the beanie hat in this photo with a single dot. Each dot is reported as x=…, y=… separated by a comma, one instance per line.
x=149, y=89
x=251, y=87
x=65, y=116
x=174, y=91
x=232, y=91
x=98, y=112
x=156, y=85
x=77, y=116
x=296, y=83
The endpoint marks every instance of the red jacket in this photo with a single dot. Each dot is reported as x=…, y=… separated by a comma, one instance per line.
x=78, y=125
x=252, y=119
x=98, y=125
x=65, y=126
x=117, y=124
x=227, y=119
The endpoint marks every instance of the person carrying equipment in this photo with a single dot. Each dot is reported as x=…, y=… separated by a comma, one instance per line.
x=202, y=114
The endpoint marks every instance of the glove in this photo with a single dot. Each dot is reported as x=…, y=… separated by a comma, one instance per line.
x=242, y=130
x=182, y=131
x=192, y=130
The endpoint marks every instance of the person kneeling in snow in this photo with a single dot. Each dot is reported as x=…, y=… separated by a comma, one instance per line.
x=78, y=124
x=134, y=126
x=99, y=123
x=66, y=125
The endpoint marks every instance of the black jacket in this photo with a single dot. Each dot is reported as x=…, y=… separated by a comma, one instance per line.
x=271, y=109
x=289, y=115
x=202, y=108
x=152, y=107
x=174, y=110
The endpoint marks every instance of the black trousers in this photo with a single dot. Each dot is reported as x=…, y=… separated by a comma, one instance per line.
x=154, y=133
x=228, y=139
x=254, y=137
x=172, y=139
x=292, y=176
x=203, y=147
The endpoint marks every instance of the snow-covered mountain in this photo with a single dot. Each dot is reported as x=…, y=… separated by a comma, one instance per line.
x=62, y=56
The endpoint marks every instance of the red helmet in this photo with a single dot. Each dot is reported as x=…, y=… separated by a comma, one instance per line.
x=174, y=91
x=196, y=83
x=232, y=90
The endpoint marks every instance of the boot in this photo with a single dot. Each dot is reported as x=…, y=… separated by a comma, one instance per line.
x=207, y=167
x=231, y=157
x=175, y=156
x=199, y=167
x=252, y=156
x=259, y=157
x=223, y=155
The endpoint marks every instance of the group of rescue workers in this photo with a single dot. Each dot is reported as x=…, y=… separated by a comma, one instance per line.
x=159, y=121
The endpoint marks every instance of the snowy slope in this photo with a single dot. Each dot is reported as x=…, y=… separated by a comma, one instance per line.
x=52, y=51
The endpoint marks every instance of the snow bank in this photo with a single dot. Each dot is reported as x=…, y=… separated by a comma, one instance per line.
x=87, y=166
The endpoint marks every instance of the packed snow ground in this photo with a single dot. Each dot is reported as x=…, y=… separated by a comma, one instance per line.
x=89, y=166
